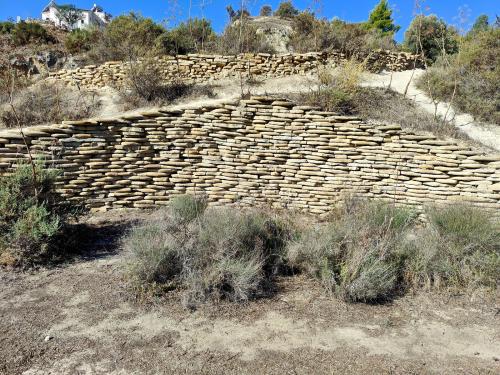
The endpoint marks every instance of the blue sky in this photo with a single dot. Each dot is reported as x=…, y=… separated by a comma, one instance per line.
x=353, y=10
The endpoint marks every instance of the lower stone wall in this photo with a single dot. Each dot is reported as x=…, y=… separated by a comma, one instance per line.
x=200, y=68
x=257, y=151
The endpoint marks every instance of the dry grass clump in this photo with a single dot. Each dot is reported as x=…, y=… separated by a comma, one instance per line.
x=459, y=249
x=359, y=255
x=387, y=106
x=336, y=90
x=144, y=86
x=341, y=92
x=208, y=253
x=48, y=103
x=371, y=252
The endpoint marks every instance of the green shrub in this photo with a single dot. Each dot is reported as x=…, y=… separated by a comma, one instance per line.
x=431, y=36
x=359, y=254
x=381, y=19
x=208, y=253
x=127, y=37
x=30, y=216
x=81, y=40
x=286, y=10
x=30, y=32
x=312, y=34
x=6, y=27
x=460, y=249
x=193, y=36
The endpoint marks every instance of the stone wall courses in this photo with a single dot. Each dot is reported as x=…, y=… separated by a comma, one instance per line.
x=201, y=68
x=257, y=151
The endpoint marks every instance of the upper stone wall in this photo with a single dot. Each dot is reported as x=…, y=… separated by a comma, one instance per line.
x=200, y=68
x=257, y=151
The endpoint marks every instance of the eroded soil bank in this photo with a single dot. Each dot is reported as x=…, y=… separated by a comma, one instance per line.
x=78, y=318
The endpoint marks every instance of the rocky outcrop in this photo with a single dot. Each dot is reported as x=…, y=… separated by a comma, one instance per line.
x=200, y=68
x=258, y=151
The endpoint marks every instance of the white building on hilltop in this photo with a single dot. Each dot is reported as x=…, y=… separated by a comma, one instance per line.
x=79, y=18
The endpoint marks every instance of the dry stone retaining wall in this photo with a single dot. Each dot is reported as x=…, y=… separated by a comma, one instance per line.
x=199, y=68
x=257, y=151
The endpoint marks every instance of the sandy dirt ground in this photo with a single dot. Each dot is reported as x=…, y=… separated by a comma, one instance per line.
x=487, y=134
x=79, y=318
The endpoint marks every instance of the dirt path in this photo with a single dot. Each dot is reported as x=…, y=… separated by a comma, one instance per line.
x=487, y=134
x=79, y=319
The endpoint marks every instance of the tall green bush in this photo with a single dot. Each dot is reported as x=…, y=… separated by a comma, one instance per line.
x=30, y=32
x=127, y=37
x=30, y=214
x=6, y=27
x=193, y=36
x=431, y=36
x=82, y=40
x=286, y=10
x=380, y=19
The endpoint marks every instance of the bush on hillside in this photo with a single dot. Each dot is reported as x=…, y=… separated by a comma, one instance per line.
x=208, y=253
x=286, y=10
x=242, y=37
x=336, y=92
x=6, y=27
x=193, y=36
x=82, y=40
x=30, y=32
x=360, y=254
x=373, y=251
x=30, y=217
x=127, y=37
x=48, y=103
x=145, y=85
x=431, y=37
x=355, y=39
x=312, y=34
x=266, y=11
x=476, y=72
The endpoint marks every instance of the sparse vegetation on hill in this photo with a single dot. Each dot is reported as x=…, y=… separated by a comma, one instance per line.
x=30, y=32
x=313, y=34
x=48, y=103
x=469, y=79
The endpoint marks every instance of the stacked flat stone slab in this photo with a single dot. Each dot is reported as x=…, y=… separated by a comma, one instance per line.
x=201, y=68
x=257, y=151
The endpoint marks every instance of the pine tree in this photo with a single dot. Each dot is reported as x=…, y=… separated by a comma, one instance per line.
x=381, y=19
